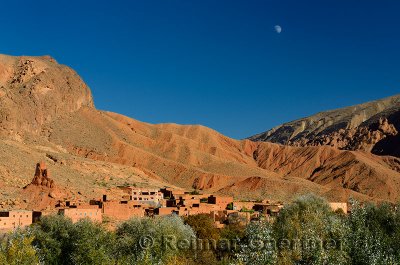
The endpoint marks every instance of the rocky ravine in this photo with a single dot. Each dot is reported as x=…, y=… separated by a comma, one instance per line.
x=90, y=151
x=372, y=127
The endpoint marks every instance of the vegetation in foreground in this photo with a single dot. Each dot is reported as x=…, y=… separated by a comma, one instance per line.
x=305, y=232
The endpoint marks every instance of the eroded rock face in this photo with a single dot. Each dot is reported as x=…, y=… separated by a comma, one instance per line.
x=42, y=176
x=360, y=138
x=37, y=90
x=371, y=127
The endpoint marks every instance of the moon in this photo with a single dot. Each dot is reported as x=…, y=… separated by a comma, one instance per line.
x=278, y=29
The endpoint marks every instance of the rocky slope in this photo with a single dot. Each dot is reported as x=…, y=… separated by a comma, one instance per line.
x=90, y=151
x=35, y=90
x=372, y=127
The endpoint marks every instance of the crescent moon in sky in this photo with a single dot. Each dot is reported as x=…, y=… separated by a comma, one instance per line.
x=278, y=29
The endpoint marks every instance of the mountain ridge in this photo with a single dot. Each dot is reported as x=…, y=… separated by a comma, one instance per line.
x=370, y=126
x=90, y=152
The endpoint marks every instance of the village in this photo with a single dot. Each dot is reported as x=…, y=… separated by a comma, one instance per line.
x=149, y=202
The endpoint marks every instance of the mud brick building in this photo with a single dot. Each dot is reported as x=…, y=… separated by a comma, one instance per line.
x=123, y=210
x=76, y=213
x=17, y=218
x=142, y=195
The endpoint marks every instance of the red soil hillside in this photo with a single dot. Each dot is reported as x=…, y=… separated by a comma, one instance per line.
x=198, y=157
x=92, y=151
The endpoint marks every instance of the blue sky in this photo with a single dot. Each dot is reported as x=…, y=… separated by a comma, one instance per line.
x=216, y=63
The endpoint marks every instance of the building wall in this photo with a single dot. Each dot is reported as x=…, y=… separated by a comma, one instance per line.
x=143, y=195
x=241, y=205
x=166, y=211
x=76, y=214
x=123, y=211
x=222, y=201
x=16, y=218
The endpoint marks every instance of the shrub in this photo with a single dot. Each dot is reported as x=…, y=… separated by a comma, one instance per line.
x=17, y=249
x=308, y=232
x=151, y=240
x=258, y=245
x=59, y=241
x=374, y=234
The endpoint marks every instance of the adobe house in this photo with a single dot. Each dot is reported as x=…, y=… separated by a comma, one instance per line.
x=78, y=212
x=10, y=220
x=243, y=205
x=166, y=211
x=242, y=217
x=123, y=210
x=169, y=193
x=142, y=195
x=220, y=200
x=268, y=209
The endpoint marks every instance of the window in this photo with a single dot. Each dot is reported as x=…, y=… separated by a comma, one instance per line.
x=4, y=214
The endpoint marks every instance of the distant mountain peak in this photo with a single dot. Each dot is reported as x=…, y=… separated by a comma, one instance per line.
x=371, y=126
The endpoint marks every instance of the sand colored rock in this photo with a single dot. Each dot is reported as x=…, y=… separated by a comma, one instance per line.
x=371, y=127
x=36, y=90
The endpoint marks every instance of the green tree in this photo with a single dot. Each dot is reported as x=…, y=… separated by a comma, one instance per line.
x=59, y=241
x=152, y=240
x=234, y=232
x=208, y=235
x=53, y=239
x=203, y=226
x=374, y=234
x=258, y=245
x=17, y=249
x=92, y=244
x=307, y=231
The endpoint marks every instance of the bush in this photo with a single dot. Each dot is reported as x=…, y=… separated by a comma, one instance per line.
x=17, y=249
x=308, y=232
x=59, y=241
x=53, y=239
x=151, y=240
x=258, y=245
x=368, y=235
x=375, y=233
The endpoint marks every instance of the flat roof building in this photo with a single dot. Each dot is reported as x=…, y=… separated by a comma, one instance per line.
x=76, y=213
x=16, y=218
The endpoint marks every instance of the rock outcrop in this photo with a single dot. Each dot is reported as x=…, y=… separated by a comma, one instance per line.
x=368, y=127
x=42, y=176
x=35, y=91
x=42, y=193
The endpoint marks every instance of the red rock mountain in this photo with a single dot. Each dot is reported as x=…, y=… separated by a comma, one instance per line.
x=91, y=151
x=36, y=90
